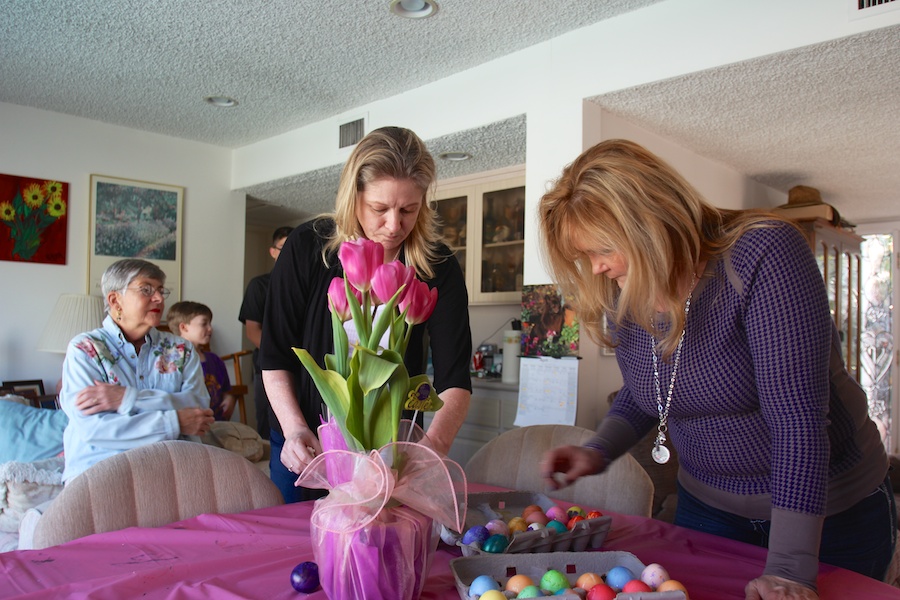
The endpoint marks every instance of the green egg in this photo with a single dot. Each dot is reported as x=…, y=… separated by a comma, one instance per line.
x=495, y=544
x=557, y=526
x=553, y=581
x=530, y=591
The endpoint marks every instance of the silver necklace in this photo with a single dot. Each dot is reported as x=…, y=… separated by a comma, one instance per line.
x=660, y=453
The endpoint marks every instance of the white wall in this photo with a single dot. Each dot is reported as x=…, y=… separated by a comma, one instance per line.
x=49, y=145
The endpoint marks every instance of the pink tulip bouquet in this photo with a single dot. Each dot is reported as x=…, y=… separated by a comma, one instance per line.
x=375, y=533
x=367, y=390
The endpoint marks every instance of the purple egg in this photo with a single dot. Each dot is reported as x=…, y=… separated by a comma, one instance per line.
x=497, y=526
x=305, y=577
x=476, y=535
x=555, y=513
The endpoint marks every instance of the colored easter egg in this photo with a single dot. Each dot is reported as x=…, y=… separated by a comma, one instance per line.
x=517, y=583
x=536, y=517
x=553, y=581
x=305, y=577
x=654, y=574
x=573, y=521
x=530, y=509
x=565, y=591
x=495, y=526
x=557, y=526
x=555, y=513
x=476, y=535
x=588, y=580
x=535, y=526
x=617, y=577
x=594, y=514
x=482, y=584
x=495, y=544
x=575, y=510
x=531, y=591
x=493, y=595
x=517, y=524
x=670, y=586
x=636, y=585
x=601, y=591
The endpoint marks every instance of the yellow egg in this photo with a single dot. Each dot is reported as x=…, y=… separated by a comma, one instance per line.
x=671, y=585
x=517, y=524
x=492, y=595
x=517, y=582
x=588, y=580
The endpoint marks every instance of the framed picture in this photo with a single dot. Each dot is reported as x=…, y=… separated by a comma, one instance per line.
x=30, y=388
x=135, y=219
x=549, y=325
x=33, y=221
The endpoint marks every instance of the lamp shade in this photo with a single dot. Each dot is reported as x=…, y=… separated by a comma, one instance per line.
x=73, y=314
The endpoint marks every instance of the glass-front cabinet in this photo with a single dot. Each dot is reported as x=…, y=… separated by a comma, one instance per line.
x=838, y=255
x=483, y=220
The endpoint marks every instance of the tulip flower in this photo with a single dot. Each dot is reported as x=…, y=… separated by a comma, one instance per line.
x=418, y=302
x=389, y=278
x=360, y=258
x=366, y=386
x=337, y=299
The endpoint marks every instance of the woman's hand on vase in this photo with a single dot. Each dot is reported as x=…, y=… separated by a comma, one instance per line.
x=195, y=421
x=100, y=397
x=770, y=587
x=300, y=447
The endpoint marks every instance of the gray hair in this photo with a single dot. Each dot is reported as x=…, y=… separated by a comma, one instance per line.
x=118, y=275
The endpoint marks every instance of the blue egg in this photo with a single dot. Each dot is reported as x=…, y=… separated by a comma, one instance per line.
x=617, y=577
x=476, y=535
x=481, y=584
x=557, y=526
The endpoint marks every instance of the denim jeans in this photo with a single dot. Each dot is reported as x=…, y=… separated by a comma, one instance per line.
x=860, y=539
x=284, y=479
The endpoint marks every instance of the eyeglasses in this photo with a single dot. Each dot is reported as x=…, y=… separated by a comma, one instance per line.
x=149, y=290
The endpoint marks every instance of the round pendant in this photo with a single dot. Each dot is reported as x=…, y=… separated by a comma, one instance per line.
x=660, y=454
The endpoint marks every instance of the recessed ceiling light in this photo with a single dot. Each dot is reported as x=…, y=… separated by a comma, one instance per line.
x=454, y=156
x=414, y=9
x=221, y=101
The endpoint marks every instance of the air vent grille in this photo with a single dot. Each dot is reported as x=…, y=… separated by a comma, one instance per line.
x=351, y=133
x=861, y=4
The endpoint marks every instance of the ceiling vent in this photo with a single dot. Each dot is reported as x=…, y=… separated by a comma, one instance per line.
x=350, y=133
x=870, y=8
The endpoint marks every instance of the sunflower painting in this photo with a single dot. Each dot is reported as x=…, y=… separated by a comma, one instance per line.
x=33, y=223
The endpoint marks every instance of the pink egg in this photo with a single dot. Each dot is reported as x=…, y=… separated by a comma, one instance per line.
x=636, y=585
x=537, y=517
x=496, y=526
x=555, y=513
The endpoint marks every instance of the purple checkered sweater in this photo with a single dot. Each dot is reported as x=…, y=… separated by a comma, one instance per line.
x=766, y=421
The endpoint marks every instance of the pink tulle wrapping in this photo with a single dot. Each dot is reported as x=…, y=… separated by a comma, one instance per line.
x=375, y=533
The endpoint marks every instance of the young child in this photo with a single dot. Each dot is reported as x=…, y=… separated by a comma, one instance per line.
x=193, y=322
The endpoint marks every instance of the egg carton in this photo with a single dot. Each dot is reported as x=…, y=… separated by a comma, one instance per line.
x=502, y=567
x=485, y=506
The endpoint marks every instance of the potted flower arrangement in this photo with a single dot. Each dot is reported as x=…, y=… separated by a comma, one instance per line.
x=375, y=533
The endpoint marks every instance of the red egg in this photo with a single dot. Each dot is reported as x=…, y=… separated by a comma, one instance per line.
x=636, y=585
x=594, y=514
x=601, y=591
x=573, y=521
x=530, y=509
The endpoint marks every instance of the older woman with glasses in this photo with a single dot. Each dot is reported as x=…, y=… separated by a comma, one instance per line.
x=127, y=384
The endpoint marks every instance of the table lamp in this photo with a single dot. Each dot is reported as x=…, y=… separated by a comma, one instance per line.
x=73, y=314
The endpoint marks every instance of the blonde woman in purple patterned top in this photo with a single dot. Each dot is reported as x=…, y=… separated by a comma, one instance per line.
x=127, y=384
x=729, y=354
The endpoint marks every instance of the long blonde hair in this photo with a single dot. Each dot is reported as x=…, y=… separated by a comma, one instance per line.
x=618, y=195
x=396, y=153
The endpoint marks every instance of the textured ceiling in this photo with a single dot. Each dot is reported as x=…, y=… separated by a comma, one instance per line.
x=825, y=115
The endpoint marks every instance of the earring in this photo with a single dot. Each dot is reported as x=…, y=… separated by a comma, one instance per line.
x=119, y=315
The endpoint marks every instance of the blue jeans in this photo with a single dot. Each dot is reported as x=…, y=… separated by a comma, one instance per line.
x=284, y=479
x=860, y=539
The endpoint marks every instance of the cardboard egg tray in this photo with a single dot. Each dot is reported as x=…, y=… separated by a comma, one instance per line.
x=482, y=507
x=504, y=566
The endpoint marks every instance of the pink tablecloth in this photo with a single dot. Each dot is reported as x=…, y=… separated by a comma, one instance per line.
x=250, y=555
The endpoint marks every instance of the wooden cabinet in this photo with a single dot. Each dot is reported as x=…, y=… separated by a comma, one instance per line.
x=483, y=221
x=838, y=255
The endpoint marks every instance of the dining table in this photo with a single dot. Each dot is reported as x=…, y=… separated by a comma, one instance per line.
x=250, y=555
